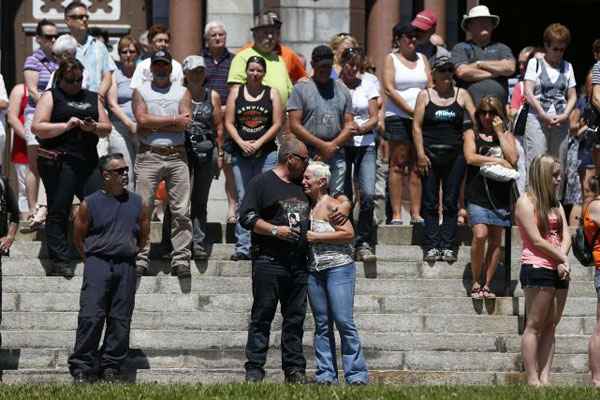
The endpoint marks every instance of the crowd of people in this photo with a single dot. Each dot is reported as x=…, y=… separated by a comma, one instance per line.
x=306, y=157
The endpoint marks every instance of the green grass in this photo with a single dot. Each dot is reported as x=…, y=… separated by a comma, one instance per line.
x=277, y=392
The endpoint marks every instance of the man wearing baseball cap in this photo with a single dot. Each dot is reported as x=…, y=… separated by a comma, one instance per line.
x=482, y=65
x=162, y=110
x=265, y=33
x=425, y=23
x=320, y=112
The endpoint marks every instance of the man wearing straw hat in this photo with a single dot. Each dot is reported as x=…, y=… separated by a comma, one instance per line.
x=482, y=65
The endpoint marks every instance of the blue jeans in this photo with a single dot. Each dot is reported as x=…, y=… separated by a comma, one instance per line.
x=244, y=169
x=360, y=165
x=331, y=295
x=449, y=176
x=337, y=167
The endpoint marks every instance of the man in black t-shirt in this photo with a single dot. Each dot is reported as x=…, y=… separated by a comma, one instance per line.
x=276, y=211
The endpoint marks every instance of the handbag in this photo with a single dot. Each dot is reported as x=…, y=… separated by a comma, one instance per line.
x=581, y=248
x=199, y=148
x=521, y=120
x=498, y=172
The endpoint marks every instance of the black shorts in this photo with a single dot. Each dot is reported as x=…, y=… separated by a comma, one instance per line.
x=398, y=129
x=541, y=278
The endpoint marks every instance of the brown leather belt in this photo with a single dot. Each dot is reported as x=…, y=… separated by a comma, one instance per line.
x=163, y=150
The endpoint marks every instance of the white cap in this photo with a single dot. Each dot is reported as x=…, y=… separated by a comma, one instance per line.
x=193, y=62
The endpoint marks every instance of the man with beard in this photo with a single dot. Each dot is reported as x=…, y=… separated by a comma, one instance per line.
x=110, y=227
x=272, y=202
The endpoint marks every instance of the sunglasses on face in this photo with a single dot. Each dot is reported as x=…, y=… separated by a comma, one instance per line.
x=79, y=17
x=72, y=81
x=127, y=51
x=558, y=49
x=304, y=159
x=119, y=171
x=50, y=37
x=448, y=70
x=487, y=112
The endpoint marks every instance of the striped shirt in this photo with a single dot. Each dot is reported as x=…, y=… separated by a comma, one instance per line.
x=44, y=66
x=596, y=74
x=216, y=73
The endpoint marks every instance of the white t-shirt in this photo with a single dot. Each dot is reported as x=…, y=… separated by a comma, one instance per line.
x=409, y=83
x=367, y=90
x=143, y=74
x=534, y=71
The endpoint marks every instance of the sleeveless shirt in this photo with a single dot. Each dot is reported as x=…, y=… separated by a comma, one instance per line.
x=254, y=118
x=327, y=255
x=443, y=124
x=75, y=142
x=408, y=83
x=163, y=102
x=476, y=192
x=113, y=224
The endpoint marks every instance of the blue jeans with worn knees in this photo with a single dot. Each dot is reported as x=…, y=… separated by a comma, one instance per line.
x=244, y=169
x=449, y=176
x=331, y=296
x=361, y=166
x=337, y=167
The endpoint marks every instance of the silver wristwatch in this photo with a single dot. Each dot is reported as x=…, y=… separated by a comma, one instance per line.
x=274, y=230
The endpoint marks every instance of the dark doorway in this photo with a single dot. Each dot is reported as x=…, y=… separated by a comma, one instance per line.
x=522, y=23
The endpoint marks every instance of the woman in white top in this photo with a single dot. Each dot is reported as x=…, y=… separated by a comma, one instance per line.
x=361, y=153
x=405, y=74
x=551, y=94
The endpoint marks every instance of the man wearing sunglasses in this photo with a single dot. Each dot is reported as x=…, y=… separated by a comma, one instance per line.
x=110, y=228
x=482, y=65
x=92, y=52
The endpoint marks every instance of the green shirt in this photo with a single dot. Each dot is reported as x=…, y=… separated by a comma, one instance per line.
x=276, y=76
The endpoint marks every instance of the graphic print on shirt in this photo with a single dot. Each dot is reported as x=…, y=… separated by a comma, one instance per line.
x=296, y=211
x=445, y=115
x=253, y=118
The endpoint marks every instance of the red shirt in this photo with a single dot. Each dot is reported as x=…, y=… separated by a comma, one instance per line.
x=18, y=154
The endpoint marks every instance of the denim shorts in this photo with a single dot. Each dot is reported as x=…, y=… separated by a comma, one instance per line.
x=540, y=277
x=398, y=129
x=482, y=215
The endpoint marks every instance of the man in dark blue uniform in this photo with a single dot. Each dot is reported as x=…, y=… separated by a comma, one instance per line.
x=111, y=226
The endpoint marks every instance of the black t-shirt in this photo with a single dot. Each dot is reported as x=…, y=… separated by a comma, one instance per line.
x=279, y=203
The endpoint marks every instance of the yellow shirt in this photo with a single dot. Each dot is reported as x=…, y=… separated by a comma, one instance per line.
x=276, y=76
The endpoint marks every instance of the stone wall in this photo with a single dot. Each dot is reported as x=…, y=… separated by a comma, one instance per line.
x=237, y=15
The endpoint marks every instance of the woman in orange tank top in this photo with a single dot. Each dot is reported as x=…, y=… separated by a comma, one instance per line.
x=591, y=224
x=544, y=265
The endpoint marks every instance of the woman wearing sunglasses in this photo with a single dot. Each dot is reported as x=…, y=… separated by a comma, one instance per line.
x=551, y=94
x=488, y=199
x=438, y=137
x=68, y=121
x=123, y=139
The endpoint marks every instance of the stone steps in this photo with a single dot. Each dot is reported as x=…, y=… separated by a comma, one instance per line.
x=226, y=340
x=218, y=232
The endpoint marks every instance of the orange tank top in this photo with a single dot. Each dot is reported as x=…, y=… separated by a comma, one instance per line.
x=589, y=229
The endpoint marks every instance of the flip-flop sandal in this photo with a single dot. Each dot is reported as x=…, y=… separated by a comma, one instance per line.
x=396, y=222
x=476, y=293
x=486, y=293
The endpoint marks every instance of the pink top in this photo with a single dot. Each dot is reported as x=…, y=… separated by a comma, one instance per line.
x=518, y=97
x=531, y=255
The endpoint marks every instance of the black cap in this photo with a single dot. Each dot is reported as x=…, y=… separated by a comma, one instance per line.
x=322, y=55
x=161, y=55
x=404, y=29
x=440, y=62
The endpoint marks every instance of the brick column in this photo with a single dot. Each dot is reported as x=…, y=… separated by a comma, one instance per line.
x=382, y=18
x=439, y=9
x=186, y=24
